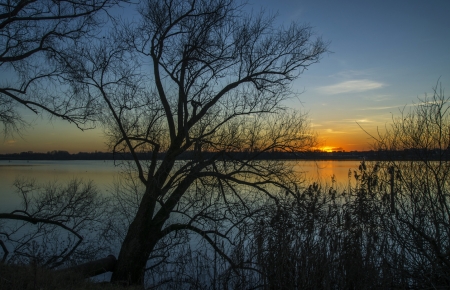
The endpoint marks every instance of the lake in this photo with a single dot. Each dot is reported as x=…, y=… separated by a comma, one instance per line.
x=104, y=172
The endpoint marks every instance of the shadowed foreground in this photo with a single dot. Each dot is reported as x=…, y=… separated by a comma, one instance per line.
x=13, y=277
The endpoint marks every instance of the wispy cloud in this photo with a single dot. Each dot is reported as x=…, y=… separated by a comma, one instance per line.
x=379, y=98
x=379, y=108
x=334, y=132
x=399, y=107
x=365, y=120
x=355, y=86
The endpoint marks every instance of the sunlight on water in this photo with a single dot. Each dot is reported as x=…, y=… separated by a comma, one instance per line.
x=104, y=172
x=324, y=171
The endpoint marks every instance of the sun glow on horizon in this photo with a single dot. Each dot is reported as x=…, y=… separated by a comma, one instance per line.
x=330, y=148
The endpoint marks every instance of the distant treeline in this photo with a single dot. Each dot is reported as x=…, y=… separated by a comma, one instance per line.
x=407, y=154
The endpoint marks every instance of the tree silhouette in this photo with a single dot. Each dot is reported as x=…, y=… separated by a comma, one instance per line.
x=419, y=219
x=34, y=37
x=203, y=78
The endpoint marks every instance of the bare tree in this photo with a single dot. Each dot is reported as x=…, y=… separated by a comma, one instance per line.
x=34, y=37
x=55, y=223
x=418, y=181
x=201, y=86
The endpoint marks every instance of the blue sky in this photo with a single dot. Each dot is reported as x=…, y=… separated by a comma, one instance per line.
x=384, y=55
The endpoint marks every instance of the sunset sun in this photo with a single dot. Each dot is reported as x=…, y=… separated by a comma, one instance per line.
x=330, y=148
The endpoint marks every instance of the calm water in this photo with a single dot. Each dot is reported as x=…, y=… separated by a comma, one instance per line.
x=101, y=172
x=104, y=172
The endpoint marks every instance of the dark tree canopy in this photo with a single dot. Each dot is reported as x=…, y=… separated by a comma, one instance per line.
x=197, y=76
x=205, y=78
x=34, y=37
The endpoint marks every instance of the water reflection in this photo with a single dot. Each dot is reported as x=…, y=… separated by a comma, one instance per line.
x=44, y=171
x=104, y=172
x=324, y=171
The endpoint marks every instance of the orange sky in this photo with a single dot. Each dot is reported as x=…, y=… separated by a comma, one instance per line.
x=384, y=55
x=47, y=136
x=351, y=138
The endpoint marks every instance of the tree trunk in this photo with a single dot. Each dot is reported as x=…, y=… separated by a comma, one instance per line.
x=134, y=253
x=145, y=230
x=141, y=238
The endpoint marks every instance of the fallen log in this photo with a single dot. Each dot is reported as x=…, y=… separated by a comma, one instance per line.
x=94, y=268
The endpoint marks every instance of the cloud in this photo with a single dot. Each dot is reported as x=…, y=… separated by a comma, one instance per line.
x=334, y=132
x=379, y=108
x=355, y=86
x=400, y=107
x=365, y=120
x=11, y=142
x=380, y=98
